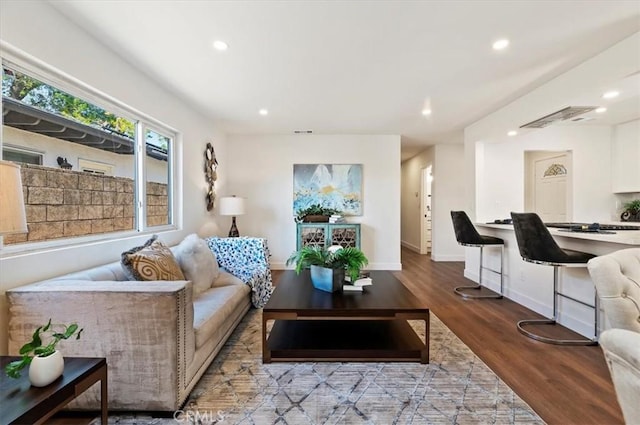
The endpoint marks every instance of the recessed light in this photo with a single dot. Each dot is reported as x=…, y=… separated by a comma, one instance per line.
x=263, y=112
x=512, y=133
x=500, y=44
x=601, y=110
x=426, y=112
x=220, y=45
x=610, y=94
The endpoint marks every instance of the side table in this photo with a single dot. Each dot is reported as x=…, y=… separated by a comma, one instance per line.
x=20, y=403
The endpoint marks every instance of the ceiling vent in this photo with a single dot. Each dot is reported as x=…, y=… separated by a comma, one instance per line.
x=303, y=131
x=561, y=115
x=582, y=119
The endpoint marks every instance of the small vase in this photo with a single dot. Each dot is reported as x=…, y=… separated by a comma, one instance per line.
x=45, y=370
x=328, y=280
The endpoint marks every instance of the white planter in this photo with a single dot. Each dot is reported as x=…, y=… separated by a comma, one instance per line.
x=45, y=370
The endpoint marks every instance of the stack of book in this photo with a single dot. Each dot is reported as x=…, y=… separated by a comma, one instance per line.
x=336, y=218
x=359, y=284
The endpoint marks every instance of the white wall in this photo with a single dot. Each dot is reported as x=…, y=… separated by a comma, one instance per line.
x=51, y=38
x=263, y=173
x=447, y=195
x=502, y=188
x=411, y=197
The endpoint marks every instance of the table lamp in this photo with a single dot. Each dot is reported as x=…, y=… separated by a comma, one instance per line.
x=12, y=214
x=233, y=206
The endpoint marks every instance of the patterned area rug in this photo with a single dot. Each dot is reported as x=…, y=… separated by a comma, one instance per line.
x=455, y=388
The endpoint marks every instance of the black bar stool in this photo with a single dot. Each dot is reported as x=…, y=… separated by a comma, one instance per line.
x=467, y=235
x=537, y=246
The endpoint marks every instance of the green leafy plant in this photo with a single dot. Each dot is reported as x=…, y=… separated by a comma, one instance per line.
x=36, y=347
x=349, y=258
x=633, y=206
x=315, y=209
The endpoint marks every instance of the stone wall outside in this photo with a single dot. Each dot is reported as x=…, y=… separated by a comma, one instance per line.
x=63, y=203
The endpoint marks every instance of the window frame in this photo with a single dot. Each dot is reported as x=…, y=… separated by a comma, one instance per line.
x=21, y=149
x=170, y=170
x=22, y=62
x=91, y=166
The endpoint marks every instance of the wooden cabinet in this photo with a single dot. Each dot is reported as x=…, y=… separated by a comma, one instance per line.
x=625, y=158
x=327, y=234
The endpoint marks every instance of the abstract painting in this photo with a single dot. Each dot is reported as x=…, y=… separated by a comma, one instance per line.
x=337, y=186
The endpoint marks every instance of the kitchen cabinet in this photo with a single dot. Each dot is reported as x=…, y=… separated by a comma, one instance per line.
x=625, y=158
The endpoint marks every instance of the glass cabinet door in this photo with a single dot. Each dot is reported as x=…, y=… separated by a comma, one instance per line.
x=344, y=236
x=312, y=235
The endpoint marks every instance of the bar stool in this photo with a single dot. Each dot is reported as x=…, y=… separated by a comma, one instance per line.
x=467, y=235
x=537, y=246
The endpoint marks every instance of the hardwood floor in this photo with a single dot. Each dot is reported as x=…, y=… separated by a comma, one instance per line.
x=564, y=385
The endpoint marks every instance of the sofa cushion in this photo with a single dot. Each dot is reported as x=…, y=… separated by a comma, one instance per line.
x=151, y=261
x=197, y=262
x=225, y=278
x=214, y=307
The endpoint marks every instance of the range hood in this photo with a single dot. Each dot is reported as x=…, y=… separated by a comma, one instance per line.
x=561, y=115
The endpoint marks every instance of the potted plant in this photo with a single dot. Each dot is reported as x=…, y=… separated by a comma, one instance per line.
x=45, y=362
x=631, y=211
x=329, y=265
x=315, y=213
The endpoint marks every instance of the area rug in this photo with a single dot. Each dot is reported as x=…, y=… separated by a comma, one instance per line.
x=456, y=387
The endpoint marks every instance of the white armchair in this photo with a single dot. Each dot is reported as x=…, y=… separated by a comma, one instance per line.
x=622, y=350
x=617, y=280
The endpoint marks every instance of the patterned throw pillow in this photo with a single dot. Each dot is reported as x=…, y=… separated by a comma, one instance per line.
x=151, y=261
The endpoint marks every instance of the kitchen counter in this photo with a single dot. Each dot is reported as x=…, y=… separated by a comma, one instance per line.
x=532, y=285
x=624, y=237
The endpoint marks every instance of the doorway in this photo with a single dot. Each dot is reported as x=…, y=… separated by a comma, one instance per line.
x=426, y=211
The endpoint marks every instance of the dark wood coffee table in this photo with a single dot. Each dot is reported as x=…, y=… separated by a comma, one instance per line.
x=312, y=325
x=20, y=403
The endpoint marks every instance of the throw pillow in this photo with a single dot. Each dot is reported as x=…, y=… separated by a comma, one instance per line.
x=197, y=262
x=151, y=261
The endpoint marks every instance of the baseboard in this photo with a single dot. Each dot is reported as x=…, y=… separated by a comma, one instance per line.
x=436, y=257
x=410, y=246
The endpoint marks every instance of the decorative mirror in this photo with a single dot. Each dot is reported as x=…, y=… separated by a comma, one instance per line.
x=210, y=174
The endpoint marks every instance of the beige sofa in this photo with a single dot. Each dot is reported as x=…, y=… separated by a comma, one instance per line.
x=617, y=280
x=157, y=337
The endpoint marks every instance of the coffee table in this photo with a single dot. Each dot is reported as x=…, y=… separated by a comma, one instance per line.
x=20, y=403
x=312, y=325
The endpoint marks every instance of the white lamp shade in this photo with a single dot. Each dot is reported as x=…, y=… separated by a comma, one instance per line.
x=232, y=205
x=12, y=214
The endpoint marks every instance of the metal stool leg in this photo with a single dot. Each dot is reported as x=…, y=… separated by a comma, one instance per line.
x=459, y=290
x=552, y=321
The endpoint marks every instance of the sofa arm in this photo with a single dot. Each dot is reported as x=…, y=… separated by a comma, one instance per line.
x=141, y=328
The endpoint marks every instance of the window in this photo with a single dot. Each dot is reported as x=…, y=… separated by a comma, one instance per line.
x=82, y=180
x=21, y=155
x=158, y=175
x=94, y=167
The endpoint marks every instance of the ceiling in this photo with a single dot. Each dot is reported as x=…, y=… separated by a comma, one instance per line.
x=354, y=67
